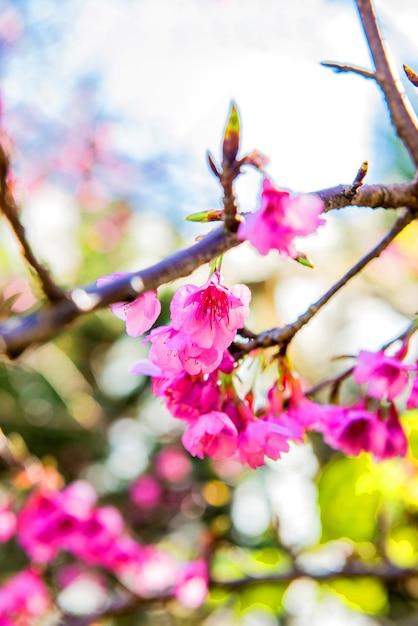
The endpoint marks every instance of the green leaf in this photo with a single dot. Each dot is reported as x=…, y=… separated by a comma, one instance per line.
x=348, y=498
x=265, y=595
x=364, y=594
x=231, y=136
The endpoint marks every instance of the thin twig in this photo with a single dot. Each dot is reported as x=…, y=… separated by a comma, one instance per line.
x=345, y=67
x=338, y=378
x=282, y=336
x=401, y=112
x=8, y=206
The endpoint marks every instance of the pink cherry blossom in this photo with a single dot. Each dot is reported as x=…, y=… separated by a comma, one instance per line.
x=173, y=351
x=146, y=492
x=172, y=464
x=213, y=434
x=412, y=401
x=210, y=315
x=140, y=314
x=191, y=587
x=280, y=219
x=386, y=376
x=396, y=441
x=151, y=575
x=262, y=438
x=8, y=524
x=355, y=429
x=23, y=598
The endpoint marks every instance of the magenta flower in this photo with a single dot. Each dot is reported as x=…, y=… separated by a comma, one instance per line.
x=172, y=464
x=280, y=219
x=353, y=429
x=191, y=588
x=23, y=598
x=396, y=441
x=386, y=376
x=146, y=492
x=412, y=402
x=210, y=315
x=140, y=314
x=213, y=434
x=262, y=438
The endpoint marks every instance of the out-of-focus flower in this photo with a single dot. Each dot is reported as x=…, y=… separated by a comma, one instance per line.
x=140, y=314
x=280, y=219
x=23, y=598
x=386, y=376
x=173, y=464
x=8, y=524
x=153, y=574
x=191, y=588
x=146, y=492
x=412, y=401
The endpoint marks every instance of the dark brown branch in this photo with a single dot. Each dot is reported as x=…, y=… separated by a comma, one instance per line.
x=8, y=206
x=401, y=112
x=373, y=196
x=282, y=336
x=19, y=333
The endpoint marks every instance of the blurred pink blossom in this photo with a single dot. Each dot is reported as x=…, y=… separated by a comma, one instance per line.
x=412, y=401
x=8, y=524
x=173, y=464
x=23, y=598
x=191, y=587
x=146, y=492
x=386, y=376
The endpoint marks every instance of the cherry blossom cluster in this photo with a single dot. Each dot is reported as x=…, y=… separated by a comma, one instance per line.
x=193, y=371
x=53, y=522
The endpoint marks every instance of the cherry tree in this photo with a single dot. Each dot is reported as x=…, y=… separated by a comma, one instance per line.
x=161, y=544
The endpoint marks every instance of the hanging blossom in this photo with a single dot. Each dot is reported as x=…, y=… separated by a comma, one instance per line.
x=140, y=314
x=205, y=321
x=356, y=429
x=386, y=376
x=280, y=219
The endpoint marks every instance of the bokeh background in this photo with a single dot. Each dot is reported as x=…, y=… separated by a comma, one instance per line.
x=109, y=108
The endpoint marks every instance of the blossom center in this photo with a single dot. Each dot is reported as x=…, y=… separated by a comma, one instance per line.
x=212, y=305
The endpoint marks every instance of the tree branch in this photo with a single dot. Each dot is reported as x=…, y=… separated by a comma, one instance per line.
x=282, y=336
x=401, y=112
x=18, y=333
x=8, y=206
x=123, y=606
